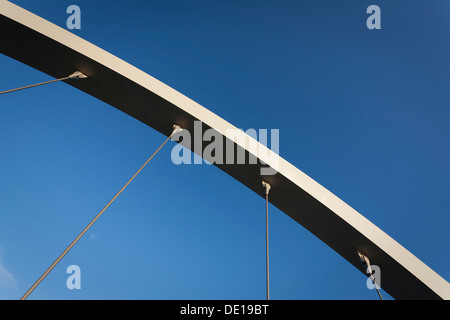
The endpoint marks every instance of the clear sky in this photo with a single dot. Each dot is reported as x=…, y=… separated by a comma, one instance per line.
x=363, y=112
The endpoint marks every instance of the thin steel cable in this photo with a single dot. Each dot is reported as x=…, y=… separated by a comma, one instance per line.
x=90, y=224
x=267, y=245
x=379, y=294
x=376, y=287
x=75, y=75
x=34, y=85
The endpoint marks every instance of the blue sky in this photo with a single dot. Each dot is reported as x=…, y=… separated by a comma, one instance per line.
x=363, y=112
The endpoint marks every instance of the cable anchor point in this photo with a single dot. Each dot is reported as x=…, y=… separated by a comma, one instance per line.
x=266, y=186
x=176, y=129
x=78, y=75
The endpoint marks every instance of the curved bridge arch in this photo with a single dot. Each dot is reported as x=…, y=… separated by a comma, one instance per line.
x=57, y=52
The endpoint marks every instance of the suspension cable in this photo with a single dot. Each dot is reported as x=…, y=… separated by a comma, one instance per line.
x=75, y=75
x=366, y=262
x=176, y=130
x=267, y=188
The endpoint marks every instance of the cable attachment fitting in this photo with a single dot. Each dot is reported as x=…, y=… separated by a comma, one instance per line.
x=176, y=129
x=78, y=75
x=365, y=261
x=266, y=186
